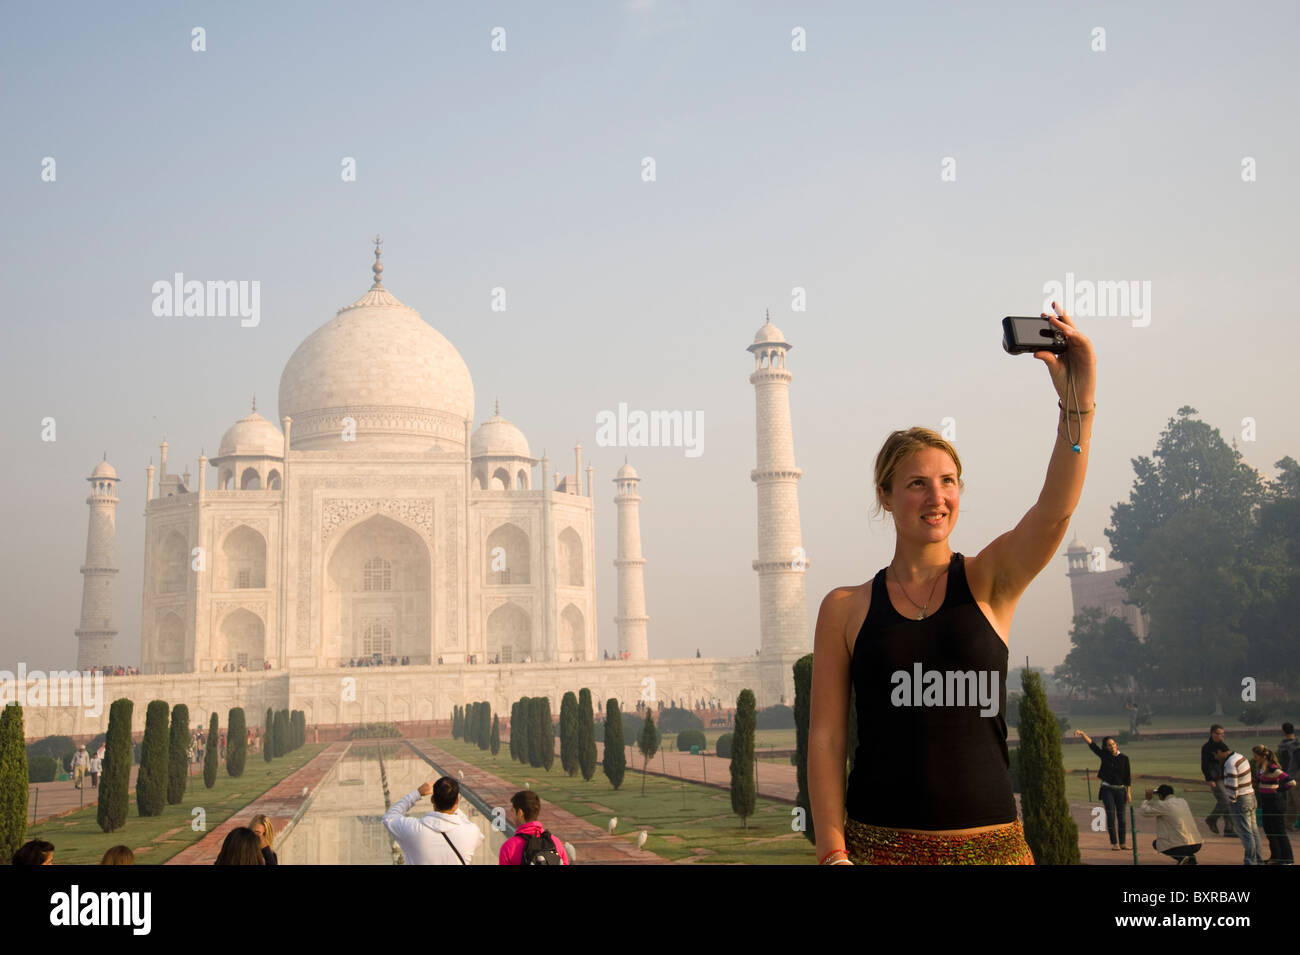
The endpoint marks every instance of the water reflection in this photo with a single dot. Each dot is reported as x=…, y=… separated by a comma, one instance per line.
x=342, y=826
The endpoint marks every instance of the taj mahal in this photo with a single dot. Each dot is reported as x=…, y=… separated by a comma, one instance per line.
x=373, y=525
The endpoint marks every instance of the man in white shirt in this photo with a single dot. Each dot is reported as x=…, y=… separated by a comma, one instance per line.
x=442, y=837
x=1176, y=833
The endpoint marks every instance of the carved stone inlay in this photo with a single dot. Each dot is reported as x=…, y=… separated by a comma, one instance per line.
x=337, y=512
x=226, y=524
x=221, y=607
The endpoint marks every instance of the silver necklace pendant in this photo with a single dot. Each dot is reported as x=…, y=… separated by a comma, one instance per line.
x=921, y=616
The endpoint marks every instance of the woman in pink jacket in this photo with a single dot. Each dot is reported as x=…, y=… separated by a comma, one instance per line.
x=526, y=806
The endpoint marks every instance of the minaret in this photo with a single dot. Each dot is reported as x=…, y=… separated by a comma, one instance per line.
x=631, y=619
x=781, y=564
x=98, y=617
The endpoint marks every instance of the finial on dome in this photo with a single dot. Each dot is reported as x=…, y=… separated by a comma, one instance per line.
x=106, y=453
x=767, y=315
x=496, y=408
x=255, y=401
x=378, y=267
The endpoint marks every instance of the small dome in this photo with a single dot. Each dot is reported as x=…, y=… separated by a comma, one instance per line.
x=497, y=436
x=768, y=333
x=1077, y=545
x=252, y=436
x=626, y=471
x=103, y=470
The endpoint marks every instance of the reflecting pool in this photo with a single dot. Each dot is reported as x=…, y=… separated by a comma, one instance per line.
x=343, y=826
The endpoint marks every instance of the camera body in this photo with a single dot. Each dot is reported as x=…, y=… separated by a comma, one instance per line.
x=1021, y=336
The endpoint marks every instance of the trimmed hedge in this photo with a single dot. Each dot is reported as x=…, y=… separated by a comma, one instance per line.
x=724, y=745
x=151, y=783
x=688, y=738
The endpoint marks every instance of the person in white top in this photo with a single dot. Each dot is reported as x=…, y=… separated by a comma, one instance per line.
x=1176, y=832
x=80, y=763
x=442, y=837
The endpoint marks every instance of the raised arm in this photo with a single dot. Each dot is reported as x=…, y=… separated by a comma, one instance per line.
x=828, y=723
x=1018, y=556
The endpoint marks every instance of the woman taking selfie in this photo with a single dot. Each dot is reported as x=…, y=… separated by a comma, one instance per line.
x=925, y=646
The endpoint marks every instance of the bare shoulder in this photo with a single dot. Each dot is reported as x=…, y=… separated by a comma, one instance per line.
x=842, y=612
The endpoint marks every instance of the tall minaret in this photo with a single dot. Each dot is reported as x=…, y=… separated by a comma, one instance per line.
x=98, y=617
x=783, y=614
x=631, y=619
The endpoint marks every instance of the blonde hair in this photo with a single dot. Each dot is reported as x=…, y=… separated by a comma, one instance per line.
x=266, y=825
x=896, y=449
x=1264, y=753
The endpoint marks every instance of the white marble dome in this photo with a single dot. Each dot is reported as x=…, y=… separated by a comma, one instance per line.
x=626, y=472
x=497, y=436
x=104, y=470
x=404, y=386
x=768, y=334
x=252, y=436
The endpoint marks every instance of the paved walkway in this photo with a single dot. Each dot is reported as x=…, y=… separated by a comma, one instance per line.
x=56, y=799
x=592, y=845
x=777, y=781
x=283, y=804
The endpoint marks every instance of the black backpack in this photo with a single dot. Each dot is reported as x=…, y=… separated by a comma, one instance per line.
x=540, y=850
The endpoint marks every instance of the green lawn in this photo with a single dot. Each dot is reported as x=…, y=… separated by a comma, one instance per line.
x=78, y=840
x=700, y=817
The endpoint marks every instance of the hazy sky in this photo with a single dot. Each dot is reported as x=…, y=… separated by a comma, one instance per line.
x=775, y=170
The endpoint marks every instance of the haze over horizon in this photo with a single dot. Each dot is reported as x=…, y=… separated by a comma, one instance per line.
x=775, y=171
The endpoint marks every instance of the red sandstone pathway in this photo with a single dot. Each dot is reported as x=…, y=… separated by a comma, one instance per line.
x=592, y=845
x=777, y=781
x=55, y=799
x=283, y=804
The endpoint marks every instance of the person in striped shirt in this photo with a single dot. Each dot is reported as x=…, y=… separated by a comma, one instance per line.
x=1240, y=794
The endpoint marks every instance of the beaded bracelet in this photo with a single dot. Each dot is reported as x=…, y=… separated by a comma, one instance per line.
x=1077, y=413
x=822, y=860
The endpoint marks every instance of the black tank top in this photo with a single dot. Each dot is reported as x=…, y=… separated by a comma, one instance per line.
x=927, y=758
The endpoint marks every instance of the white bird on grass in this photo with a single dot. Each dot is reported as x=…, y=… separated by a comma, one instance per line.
x=612, y=823
x=640, y=840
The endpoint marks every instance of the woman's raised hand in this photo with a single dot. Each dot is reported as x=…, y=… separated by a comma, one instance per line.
x=1079, y=359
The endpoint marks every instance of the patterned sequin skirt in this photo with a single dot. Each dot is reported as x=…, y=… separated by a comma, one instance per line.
x=876, y=845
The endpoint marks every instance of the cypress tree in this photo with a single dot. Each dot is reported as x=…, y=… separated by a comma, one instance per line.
x=519, y=731
x=485, y=724
x=178, y=760
x=471, y=724
x=151, y=783
x=586, y=735
x=514, y=722
x=743, y=798
x=529, y=704
x=115, y=778
x=569, y=733
x=268, y=737
x=648, y=743
x=1052, y=835
x=494, y=742
x=281, y=731
x=210, y=754
x=615, y=759
x=802, y=714
x=302, y=728
x=13, y=782
x=546, y=732
x=236, y=742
